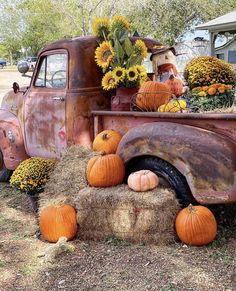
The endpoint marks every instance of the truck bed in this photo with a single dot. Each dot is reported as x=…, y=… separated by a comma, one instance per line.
x=122, y=121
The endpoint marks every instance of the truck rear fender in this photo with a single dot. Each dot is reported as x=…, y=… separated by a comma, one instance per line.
x=206, y=159
x=11, y=140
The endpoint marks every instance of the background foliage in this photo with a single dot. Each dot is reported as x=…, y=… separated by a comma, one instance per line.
x=27, y=25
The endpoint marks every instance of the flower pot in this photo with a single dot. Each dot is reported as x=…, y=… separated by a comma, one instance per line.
x=122, y=100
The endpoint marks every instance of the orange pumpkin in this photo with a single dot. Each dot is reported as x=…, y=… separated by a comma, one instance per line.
x=175, y=85
x=105, y=171
x=107, y=141
x=151, y=95
x=143, y=180
x=196, y=225
x=55, y=222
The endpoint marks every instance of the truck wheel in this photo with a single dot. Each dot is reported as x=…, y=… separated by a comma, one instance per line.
x=164, y=170
x=4, y=172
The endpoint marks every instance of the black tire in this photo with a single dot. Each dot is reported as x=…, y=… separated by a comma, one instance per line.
x=165, y=170
x=4, y=172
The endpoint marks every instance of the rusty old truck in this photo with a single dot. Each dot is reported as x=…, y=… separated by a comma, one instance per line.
x=65, y=105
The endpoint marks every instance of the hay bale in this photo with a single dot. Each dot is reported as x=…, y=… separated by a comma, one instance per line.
x=118, y=211
x=67, y=178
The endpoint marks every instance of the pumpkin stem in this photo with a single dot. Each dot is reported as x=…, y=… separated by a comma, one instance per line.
x=105, y=136
x=191, y=208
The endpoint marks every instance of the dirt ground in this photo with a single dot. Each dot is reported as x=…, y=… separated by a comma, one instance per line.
x=112, y=264
x=10, y=75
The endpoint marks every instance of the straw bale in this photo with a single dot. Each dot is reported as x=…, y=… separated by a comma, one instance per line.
x=134, y=216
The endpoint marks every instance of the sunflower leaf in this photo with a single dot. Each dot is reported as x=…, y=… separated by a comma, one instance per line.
x=134, y=60
x=128, y=47
x=119, y=52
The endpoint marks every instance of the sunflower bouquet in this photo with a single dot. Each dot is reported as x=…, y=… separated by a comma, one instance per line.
x=119, y=58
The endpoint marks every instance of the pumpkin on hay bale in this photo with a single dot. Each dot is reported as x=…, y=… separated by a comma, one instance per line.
x=107, y=141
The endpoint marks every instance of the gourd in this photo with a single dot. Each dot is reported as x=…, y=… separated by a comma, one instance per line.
x=196, y=225
x=143, y=180
x=105, y=171
x=151, y=95
x=57, y=221
x=107, y=141
x=175, y=85
x=173, y=106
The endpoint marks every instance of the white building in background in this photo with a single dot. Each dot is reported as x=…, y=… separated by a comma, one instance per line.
x=227, y=52
x=189, y=49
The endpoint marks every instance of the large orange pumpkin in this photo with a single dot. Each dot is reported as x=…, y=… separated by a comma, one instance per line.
x=105, y=171
x=151, y=95
x=175, y=85
x=196, y=225
x=143, y=180
x=107, y=141
x=55, y=222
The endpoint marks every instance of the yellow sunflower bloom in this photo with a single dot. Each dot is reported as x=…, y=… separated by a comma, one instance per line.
x=119, y=74
x=119, y=22
x=101, y=26
x=132, y=74
x=108, y=81
x=104, y=54
x=141, y=72
x=140, y=48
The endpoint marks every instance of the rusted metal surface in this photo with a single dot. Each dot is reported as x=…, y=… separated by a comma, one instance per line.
x=12, y=144
x=224, y=124
x=206, y=159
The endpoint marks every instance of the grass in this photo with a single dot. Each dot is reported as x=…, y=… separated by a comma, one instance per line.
x=2, y=264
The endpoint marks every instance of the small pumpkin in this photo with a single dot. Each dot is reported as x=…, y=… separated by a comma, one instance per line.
x=175, y=85
x=151, y=95
x=211, y=91
x=107, y=141
x=58, y=221
x=173, y=106
x=105, y=171
x=143, y=180
x=196, y=225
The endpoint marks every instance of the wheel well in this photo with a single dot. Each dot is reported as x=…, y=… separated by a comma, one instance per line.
x=171, y=169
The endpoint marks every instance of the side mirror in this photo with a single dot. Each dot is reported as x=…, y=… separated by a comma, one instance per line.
x=16, y=87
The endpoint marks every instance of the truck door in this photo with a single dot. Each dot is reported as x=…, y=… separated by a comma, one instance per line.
x=44, y=107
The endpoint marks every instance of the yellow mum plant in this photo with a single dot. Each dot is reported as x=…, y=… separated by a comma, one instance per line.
x=32, y=174
x=119, y=58
x=204, y=71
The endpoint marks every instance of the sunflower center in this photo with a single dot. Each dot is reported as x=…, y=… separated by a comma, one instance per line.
x=106, y=55
x=131, y=74
x=110, y=80
x=118, y=73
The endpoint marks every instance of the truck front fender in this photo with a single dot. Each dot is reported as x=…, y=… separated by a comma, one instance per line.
x=206, y=159
x=11, y=140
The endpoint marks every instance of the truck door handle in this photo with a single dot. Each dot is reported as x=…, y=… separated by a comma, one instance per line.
x=58, y=98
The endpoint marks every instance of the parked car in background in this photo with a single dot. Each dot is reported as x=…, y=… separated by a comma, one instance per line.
x=32, y=62
x=3, y=63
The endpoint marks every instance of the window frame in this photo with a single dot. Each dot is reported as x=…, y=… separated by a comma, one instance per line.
x=44, y=56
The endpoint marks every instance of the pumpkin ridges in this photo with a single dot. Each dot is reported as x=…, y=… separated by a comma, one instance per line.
x=106, y=171
x=60, y=221
x=142, y=180
x=196, y=228
x=107, y=141
x=152, y=94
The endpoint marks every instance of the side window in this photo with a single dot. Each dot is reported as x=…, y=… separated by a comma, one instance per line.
x=52, y=72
